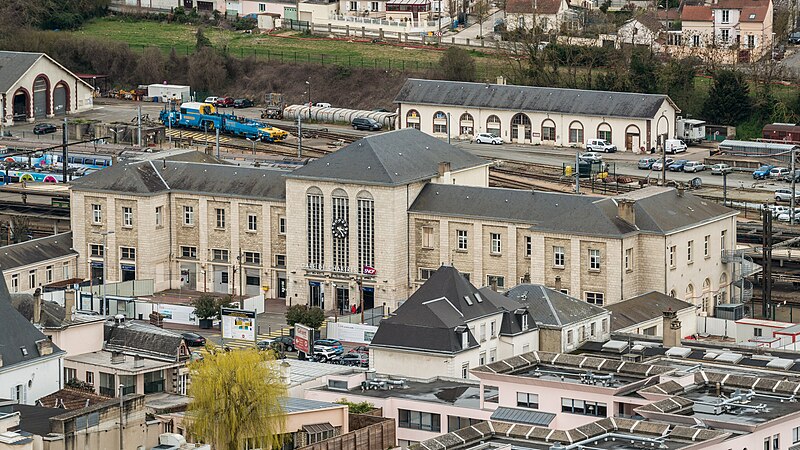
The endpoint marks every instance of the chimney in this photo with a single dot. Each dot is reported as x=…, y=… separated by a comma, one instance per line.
x=37, y=306
x=558, y=284
x=44, y=347
x=117, y=357
x=157, y=319
x=501, y=80
x=69, y=304
x=444, y=167
x=286, y=373
x=138, y=362
x=625, y=210
x=672, y=329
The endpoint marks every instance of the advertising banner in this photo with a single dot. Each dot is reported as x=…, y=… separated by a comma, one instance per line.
x=238, y=324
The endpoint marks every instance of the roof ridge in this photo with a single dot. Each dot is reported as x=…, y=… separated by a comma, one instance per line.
x=511, y=86
x=549, y=303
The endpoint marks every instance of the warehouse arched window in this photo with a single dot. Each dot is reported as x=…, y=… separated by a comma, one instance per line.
x=520, y=127
x=576, y=132
x=604, y=132
x=439, y=122
x=493, y=125
x=466, y=124
x=412, y=119
x=548, y=130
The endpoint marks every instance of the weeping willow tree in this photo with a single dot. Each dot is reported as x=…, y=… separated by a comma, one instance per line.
x=236, y=397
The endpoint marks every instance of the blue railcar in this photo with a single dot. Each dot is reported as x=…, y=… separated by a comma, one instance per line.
x=204, y=116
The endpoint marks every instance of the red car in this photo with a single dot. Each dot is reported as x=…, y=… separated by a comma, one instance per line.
x=224, y=102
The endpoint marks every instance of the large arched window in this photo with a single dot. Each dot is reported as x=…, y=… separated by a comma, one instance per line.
x=722, y=294
x=632, y=138
x=340, y=218
x=439, y=122
x=412, y=119
x=466, y=124
x=41, y=96
x=604, y=132
x=548, y=130
x=493, y=125
x=706, y=299
x=689, y=298
x=576, y=133
x=366, y=230
x=315, y=219
x=520, y=121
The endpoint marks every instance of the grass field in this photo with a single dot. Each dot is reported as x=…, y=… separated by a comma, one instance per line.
x=284, y=47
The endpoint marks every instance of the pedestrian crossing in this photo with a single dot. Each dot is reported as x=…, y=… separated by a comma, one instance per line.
x=197, y=136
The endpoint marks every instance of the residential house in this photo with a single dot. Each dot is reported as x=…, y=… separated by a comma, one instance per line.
x=548, y=16
x=644, y=30
x=448, y=326
x=30, y=364
x=565, y=323
x=38, y=262
x=643, y=314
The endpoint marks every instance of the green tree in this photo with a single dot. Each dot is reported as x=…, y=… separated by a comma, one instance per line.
x=456, y=64
x=728, y=101
x=202, y=41
x=236, y=396
x=207, y=306
x=643, y=71
x=356, y=408
x=302, y=314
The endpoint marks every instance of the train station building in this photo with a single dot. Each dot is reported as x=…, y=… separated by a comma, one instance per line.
x=35, y=86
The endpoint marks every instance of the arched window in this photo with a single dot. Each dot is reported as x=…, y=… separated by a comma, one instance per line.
x=673, y=294
x=315, y=218
x=548, y=130
x=604, y=132
x=466, y=124
x=340, y=221
x=412, y=119
x=689, y=294
x=439, y=122
x=576, y=133
x=520, y=121
x=41, y=96
x=366, y=230
x=493, y=125
x=706, y=295
x=722, y=294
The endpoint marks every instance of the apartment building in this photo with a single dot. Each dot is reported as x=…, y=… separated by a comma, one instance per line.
x=38, y=262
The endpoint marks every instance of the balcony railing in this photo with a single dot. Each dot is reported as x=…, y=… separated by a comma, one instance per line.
x=107, y=391
x=154, y=386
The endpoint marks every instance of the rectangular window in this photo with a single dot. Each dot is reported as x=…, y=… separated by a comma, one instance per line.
x=127, y=216
x=795, y=435
x=592, y=329
x=758, y=332
x=628, y=259
x=706, y=245
x=48, y=274
x=65, y=271
x=495, y=241
x=548, y=133
x=725, y=36
x=418, y=420
x=528, y=246
x=455, y=423
x=90, y=377
x=159, y=209
x=483, y=333
x=491, y=394
x=496, y=281
x=374, y=6
x=127, y=253
x=465, y=370
x=726, y=16
x=672, y=250
x=493, y=328
x=595, y=298
x=604, y=325
x=219, y=254
x=594, y=259
x=252, y=258
x=252, y=222
x=262, y=7
x=220, y=217
x=689, y=251
x=280, y=261
x=464, y=339
x=96, y=250
x=97, y=214
x=558, y=256
x=482, y=358
x=189, y=252
x=751, y=41
x=461, y=238
x=766, y=443
x=585, y=408
x=353, y=6
x=722, y=238
x=70, y=374
x=576, y=135
x=427, y=237
x=527, y=400
x=281, y=225
x=604, y=135
x=188, y=216
x=492, y=355
x=696, y=41
x=651, y=331
x=425, y=274
x=524, y=322
x=366, y=233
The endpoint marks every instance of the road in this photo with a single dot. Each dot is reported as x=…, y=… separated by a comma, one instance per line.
x=473, y=31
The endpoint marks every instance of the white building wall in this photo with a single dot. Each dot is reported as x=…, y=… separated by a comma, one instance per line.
x=39, y=378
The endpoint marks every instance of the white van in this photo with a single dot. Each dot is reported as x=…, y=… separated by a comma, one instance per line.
x=674, y=146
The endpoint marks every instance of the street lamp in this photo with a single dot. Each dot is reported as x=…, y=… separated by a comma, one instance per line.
x=254, y=143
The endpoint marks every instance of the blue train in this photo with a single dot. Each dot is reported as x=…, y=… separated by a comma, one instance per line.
x=204, y=116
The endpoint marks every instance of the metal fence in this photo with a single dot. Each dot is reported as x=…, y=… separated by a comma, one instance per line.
x=371, y=316
x=133, y=288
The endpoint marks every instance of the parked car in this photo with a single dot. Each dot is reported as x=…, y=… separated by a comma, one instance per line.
x=694, y=166
x=322, y=105
x=600, y=145
x=326, y=354
x=356, y=359
x=646, y=163
x=720, y=168
x=242, y=103
x=762, y=172
x=785, y=216
x=331, y=343
x=674, y=146
x=778, y=172
x=592, y=157
x=677, y=166
x=366, y=123
x=785, y=195
x=789, y=178
x=212, y=100
x=224, y=102
x=794, y=38
x=488, y=138
x=657, y=165
x=778, y=210
x=193, y=339
x=44, y=128
x=360, y=349
x=287, y=342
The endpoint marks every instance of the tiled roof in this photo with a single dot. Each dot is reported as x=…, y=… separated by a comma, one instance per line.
x=527, y=6
x=691, y=13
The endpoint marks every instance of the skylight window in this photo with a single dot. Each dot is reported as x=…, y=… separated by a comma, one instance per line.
x=24, y=351
x=478, y=297
x=468, y=300
x=752, y=16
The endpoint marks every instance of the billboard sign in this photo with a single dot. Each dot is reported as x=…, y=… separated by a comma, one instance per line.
x=238, y=324
x=302, y=338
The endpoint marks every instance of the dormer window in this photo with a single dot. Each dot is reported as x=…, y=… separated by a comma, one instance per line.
x=524, y=322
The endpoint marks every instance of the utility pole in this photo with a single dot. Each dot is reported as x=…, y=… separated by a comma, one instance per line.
x=794, y=181
x=663, y=165
x=299, y=136
x=239, y=258
x=448, y=128
x=217, y=128
x=724, y=187
x=766, y=260
x=121, y=414
x=578, y=172
x=64, y=138
x=139, y=128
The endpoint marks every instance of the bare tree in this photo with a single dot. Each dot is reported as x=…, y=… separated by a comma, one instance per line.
x=481, y=9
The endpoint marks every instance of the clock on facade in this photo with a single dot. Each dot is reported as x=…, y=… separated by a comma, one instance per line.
x=339, y=228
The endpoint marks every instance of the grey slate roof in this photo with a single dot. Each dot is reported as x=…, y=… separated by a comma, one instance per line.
x=154, y=177
x=531, y=98
x=292, y=404
x=427, y=321
x=13, y=65
x=17, y=333
x=36, y=251
x=526, y=416
x=393, y=158
x=53, y=315
x=551, y=308
x=643, y=308
x=142, y=339
x=657, y=210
